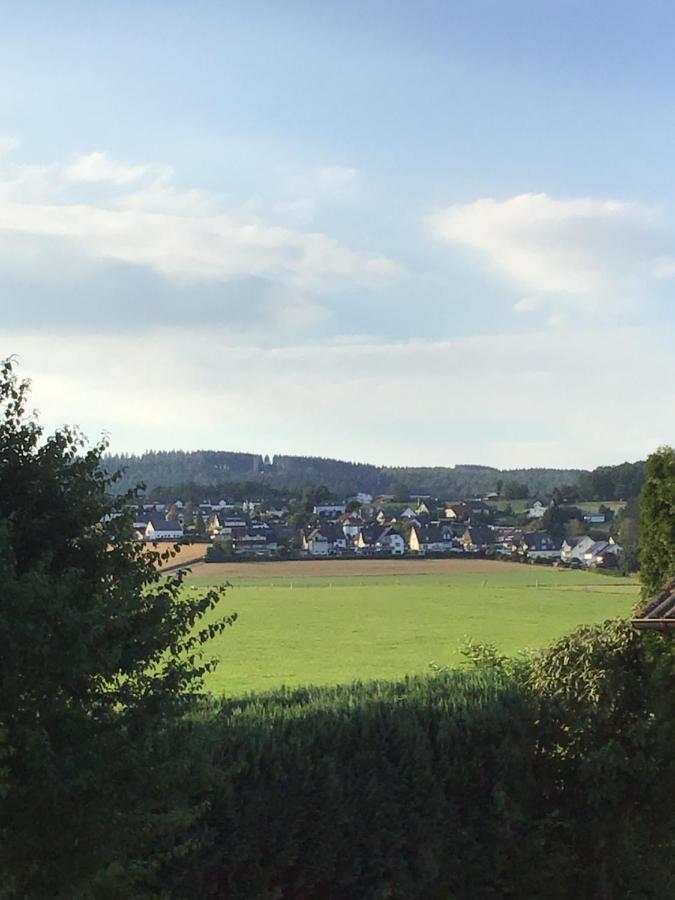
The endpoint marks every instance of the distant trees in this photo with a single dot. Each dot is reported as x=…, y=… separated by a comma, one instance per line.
x=401, y=492
x=657, y=521
x=557, y=520
x=515, y=490
x=239, y=476
x=313, y=495
x=612, y=482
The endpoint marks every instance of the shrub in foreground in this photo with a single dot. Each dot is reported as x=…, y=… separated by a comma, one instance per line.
x=550, y=775
x=100, y=656
x=370, y=791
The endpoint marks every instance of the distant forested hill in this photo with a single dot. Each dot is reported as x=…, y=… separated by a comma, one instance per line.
x=167, y=470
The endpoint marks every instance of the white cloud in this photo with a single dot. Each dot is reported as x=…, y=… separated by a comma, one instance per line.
x=183, y=235
x=583, y=248
x=8, y=144
x=336, y=179
x=308, y=398
x=322, y=186
x=98, y=167
x=527, y=304
x=664, y=267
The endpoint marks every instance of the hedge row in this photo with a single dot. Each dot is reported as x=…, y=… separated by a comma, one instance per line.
x=548, y=779
x=418, y=789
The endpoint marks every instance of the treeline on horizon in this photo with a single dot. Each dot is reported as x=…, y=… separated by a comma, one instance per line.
x=191, y=475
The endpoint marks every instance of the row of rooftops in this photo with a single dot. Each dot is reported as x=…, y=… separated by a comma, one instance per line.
x=659, y=614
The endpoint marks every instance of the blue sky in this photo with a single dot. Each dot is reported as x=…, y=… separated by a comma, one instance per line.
x=404, y=233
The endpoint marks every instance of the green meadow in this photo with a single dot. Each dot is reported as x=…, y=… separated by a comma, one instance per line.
x=316, y=629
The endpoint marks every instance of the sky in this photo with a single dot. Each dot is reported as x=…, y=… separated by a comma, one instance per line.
x=424, y=233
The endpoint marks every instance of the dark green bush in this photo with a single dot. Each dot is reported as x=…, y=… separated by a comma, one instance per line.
x=220, y=552
x=372, y=791
x=549, y=775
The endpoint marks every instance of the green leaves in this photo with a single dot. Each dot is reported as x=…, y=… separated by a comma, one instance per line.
x=657, y=522
x=101, y=654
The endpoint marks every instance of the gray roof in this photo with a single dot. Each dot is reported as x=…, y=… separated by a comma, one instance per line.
x=598, y=547
x=540, y=540
x=480, y=535
x=159, y=524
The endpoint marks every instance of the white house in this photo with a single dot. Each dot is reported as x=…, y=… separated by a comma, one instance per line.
x=329, y=510
x=226, y=525
x=256, y=542
x=435, y=538
x=315, y=543
x=539, y=545
x=390, y=541
x=324, y=541
x=158, y=529
x=602, y=553
x=574, y=548
x=536, y=511
x=276, y=512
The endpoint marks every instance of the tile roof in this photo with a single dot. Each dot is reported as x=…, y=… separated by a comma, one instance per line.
x=659, y=614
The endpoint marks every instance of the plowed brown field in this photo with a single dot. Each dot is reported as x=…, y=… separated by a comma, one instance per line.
x=188, y=555
x=332, y=568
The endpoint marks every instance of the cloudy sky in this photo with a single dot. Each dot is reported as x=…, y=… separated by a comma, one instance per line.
x=419, y=233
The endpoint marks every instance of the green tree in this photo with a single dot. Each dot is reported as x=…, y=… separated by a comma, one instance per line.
x=313, y=495
x=557, y=518
x=101, y=656
x=515, y=490
x=657, y=521
x=606, y=719
x=626, y=530
x=188, y=515
x=575, y=528
x=401, y=492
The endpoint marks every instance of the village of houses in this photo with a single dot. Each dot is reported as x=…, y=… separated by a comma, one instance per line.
x=366, y=526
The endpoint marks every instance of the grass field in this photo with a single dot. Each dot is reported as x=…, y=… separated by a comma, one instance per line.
x=333, y=622
x=587, y=506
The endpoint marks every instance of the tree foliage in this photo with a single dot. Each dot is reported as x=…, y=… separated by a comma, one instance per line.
x=604, y=709
x=238, y=476
x=619, y=482
x=100, y=656
x=607, y=720
x=657, y=521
